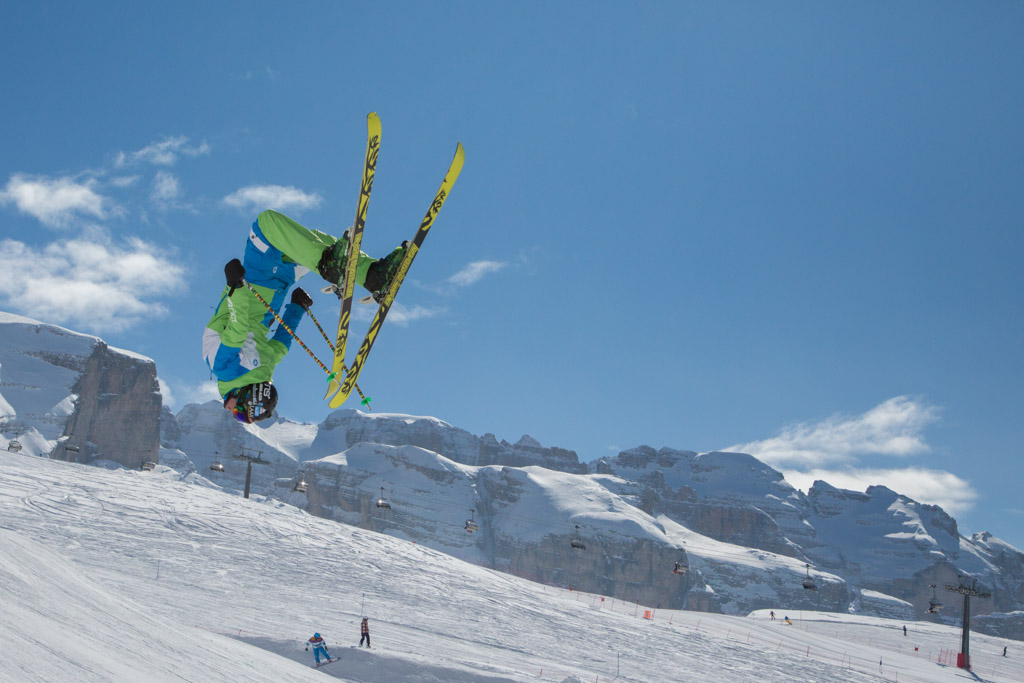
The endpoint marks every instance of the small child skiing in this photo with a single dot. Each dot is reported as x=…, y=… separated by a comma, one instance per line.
x=364, y=628
x=772, y=614
x=319, y=647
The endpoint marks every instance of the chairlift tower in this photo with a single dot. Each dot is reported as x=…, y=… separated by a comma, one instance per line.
x=963, y=660
x=251, y=460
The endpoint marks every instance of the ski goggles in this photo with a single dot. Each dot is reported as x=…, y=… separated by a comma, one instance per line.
x=240, y=414
x=254, y=402
x=241, y=409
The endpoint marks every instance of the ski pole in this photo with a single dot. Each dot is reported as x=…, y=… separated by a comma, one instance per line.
x=365, y=401
x=330, y=375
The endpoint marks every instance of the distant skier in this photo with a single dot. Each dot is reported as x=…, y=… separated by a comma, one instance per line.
x=788, y=621
x=1004, y=650
x=364, y=628
x=904, y=631
x=772, y=615
x=279, y=251
x=319, y=647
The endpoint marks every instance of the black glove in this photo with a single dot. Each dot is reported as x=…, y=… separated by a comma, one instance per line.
x=234, y=272
x=307, y=649
x=300, y=297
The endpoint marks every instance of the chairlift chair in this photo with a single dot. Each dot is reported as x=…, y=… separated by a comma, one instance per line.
x=148, y=466
x=301, y=486
x=471, y=525
x=73, y=449
x=14, y=446
x=933, y=604
x=217, y=466
x=577, y=542
x=808, y=581
x=681, y=567
x=383, y=502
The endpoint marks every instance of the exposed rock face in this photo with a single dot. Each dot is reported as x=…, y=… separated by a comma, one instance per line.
x=117, y=415
x=879, y=541
x=345, y=428
x=1006, y=625
x=630, y=566
x=69, y=396
x=731, y=497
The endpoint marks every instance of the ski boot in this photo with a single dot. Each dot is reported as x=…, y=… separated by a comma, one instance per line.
x=332, y=261
x=382, y=271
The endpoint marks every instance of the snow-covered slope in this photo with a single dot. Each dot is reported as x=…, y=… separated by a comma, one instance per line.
x=117, y=575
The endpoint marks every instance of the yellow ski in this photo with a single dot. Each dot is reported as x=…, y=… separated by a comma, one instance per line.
x=403, y=268
x=355, y=240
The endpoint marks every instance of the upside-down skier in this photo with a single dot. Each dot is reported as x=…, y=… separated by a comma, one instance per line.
x=237, y=345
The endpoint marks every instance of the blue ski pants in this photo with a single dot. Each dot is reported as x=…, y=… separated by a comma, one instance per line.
x=317, y=649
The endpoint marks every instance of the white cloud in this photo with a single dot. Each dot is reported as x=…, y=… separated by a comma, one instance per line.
x=91, y=285
x=124, y=181
x=166, y=188
x=182, y=393
x=472, y=273
x=166, y=395
x=55, y=202
x=255, y=198
x=831, y=450
x=402, y=315
x=398, y=315
x=162, y=153
x=893, y=428
x=934, y=487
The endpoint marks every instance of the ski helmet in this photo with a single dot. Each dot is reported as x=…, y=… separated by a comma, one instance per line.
x=316, y=635
x=254, y=402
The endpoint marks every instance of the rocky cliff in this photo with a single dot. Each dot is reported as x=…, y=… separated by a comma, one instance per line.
x=880, y=542
x=72, y=397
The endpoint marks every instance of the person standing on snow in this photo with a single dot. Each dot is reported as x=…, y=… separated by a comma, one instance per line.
x=279, y=251
x=772, y=615
x=364, y=628
x=319, y=647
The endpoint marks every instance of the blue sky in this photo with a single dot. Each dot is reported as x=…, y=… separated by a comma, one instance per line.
x=789, y=228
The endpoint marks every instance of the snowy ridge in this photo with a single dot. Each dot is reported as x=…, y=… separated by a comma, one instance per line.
x=116, y=575
x=751, y=531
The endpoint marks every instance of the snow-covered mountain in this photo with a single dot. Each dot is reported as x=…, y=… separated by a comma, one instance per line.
x=747, y=537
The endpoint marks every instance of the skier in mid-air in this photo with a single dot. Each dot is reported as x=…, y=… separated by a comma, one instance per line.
x=319, y=647
x=236, y=342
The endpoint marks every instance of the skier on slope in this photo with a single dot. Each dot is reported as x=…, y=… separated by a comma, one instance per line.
x=364, y=629
x=319, y=647
x=278, y=252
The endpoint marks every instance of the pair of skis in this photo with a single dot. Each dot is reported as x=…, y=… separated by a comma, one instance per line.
x=338, y=391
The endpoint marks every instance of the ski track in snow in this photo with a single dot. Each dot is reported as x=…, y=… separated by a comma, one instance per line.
x=117, y=575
